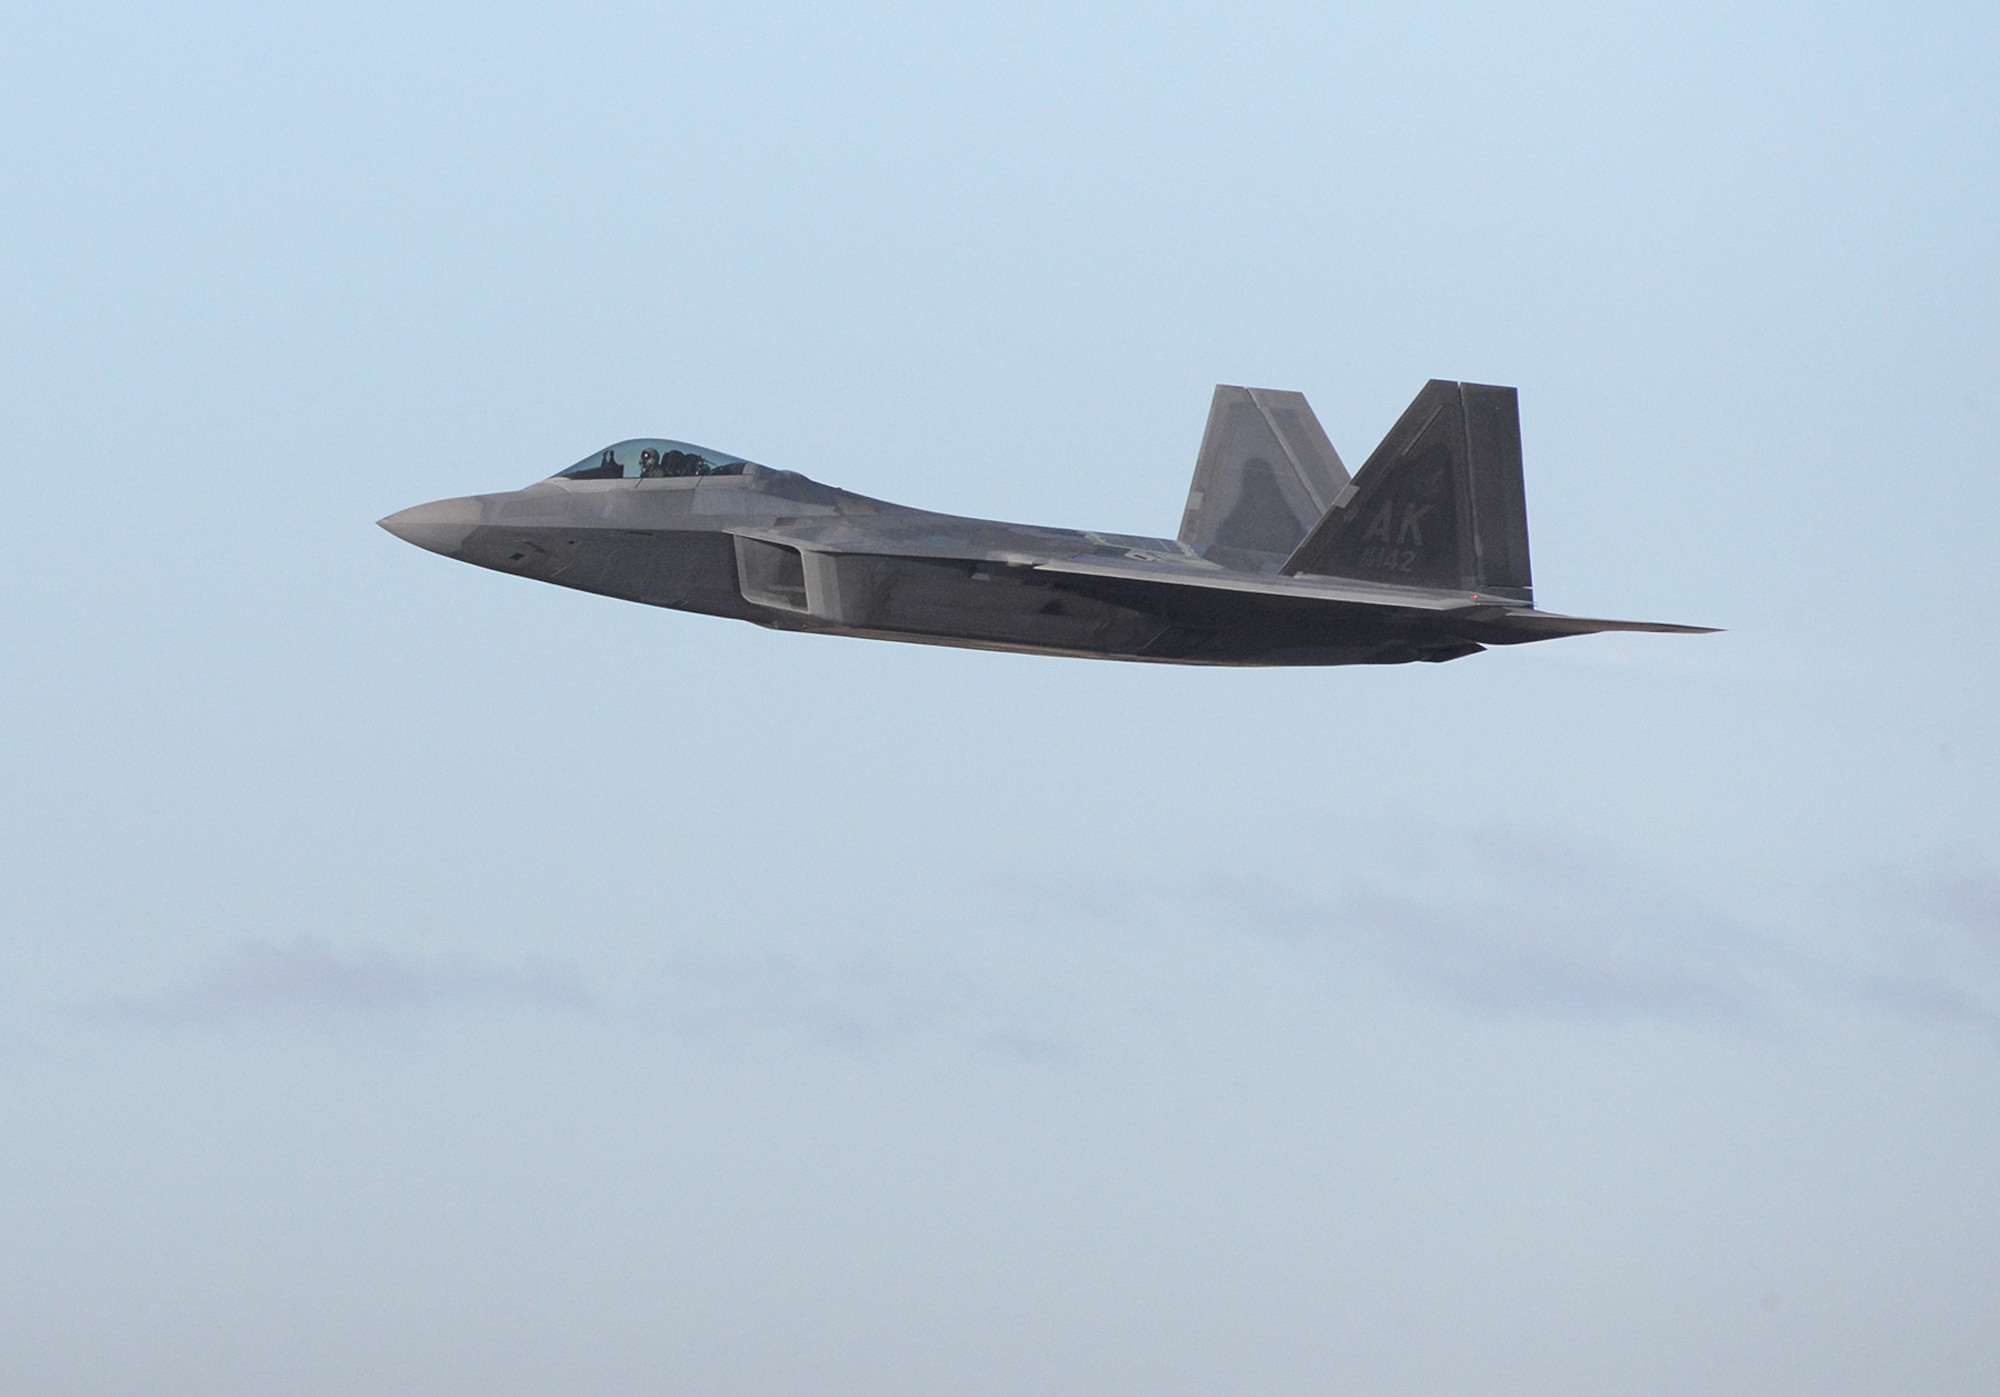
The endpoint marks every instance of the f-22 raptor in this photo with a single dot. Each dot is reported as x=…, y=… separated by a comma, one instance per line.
x=1282, y=557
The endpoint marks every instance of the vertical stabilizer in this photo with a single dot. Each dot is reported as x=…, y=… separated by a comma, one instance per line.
x=1266, y=473
x=1440, y=503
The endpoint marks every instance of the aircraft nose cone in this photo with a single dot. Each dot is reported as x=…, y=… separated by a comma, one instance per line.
x=441, y=525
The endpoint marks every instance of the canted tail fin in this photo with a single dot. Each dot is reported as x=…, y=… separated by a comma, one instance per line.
x=1440, y=503
x=1266, y=474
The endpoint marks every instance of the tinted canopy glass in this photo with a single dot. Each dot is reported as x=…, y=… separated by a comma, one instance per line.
x=648, y=458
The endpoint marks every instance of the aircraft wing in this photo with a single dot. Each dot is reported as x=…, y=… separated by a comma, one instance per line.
x=1470, y=608
x=1551, y=623
x=1218, y=579
x=1137, y=574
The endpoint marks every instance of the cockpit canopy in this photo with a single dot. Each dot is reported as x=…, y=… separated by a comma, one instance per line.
x=648, y=458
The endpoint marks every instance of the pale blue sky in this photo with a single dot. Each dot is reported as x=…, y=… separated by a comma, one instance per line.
x=417, y=980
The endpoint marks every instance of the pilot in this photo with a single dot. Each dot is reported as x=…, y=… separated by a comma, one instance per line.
x=649, y=464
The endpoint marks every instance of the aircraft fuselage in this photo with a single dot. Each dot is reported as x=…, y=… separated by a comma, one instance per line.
x=1271, y=569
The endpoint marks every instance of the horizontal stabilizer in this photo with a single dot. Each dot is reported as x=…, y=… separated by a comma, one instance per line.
x=1535, y=625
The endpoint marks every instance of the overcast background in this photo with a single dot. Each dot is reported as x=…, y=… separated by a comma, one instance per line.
x=416, y=980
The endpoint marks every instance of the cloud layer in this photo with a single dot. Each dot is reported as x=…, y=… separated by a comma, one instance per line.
x=1503, y=925
x=1495, y=925
x=856, y=1007
x=1944, y=962
x=1495, y=922
x=310, y=981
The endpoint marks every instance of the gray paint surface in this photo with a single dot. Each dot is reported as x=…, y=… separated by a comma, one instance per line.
x=1281, y=559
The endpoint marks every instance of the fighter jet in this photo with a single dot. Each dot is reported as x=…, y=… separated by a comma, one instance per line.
x=1282, y=558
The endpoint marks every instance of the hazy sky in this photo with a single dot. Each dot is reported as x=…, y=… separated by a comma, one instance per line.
x=416, y=980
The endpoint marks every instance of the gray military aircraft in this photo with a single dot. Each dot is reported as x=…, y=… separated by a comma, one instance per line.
x=1282, y=558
